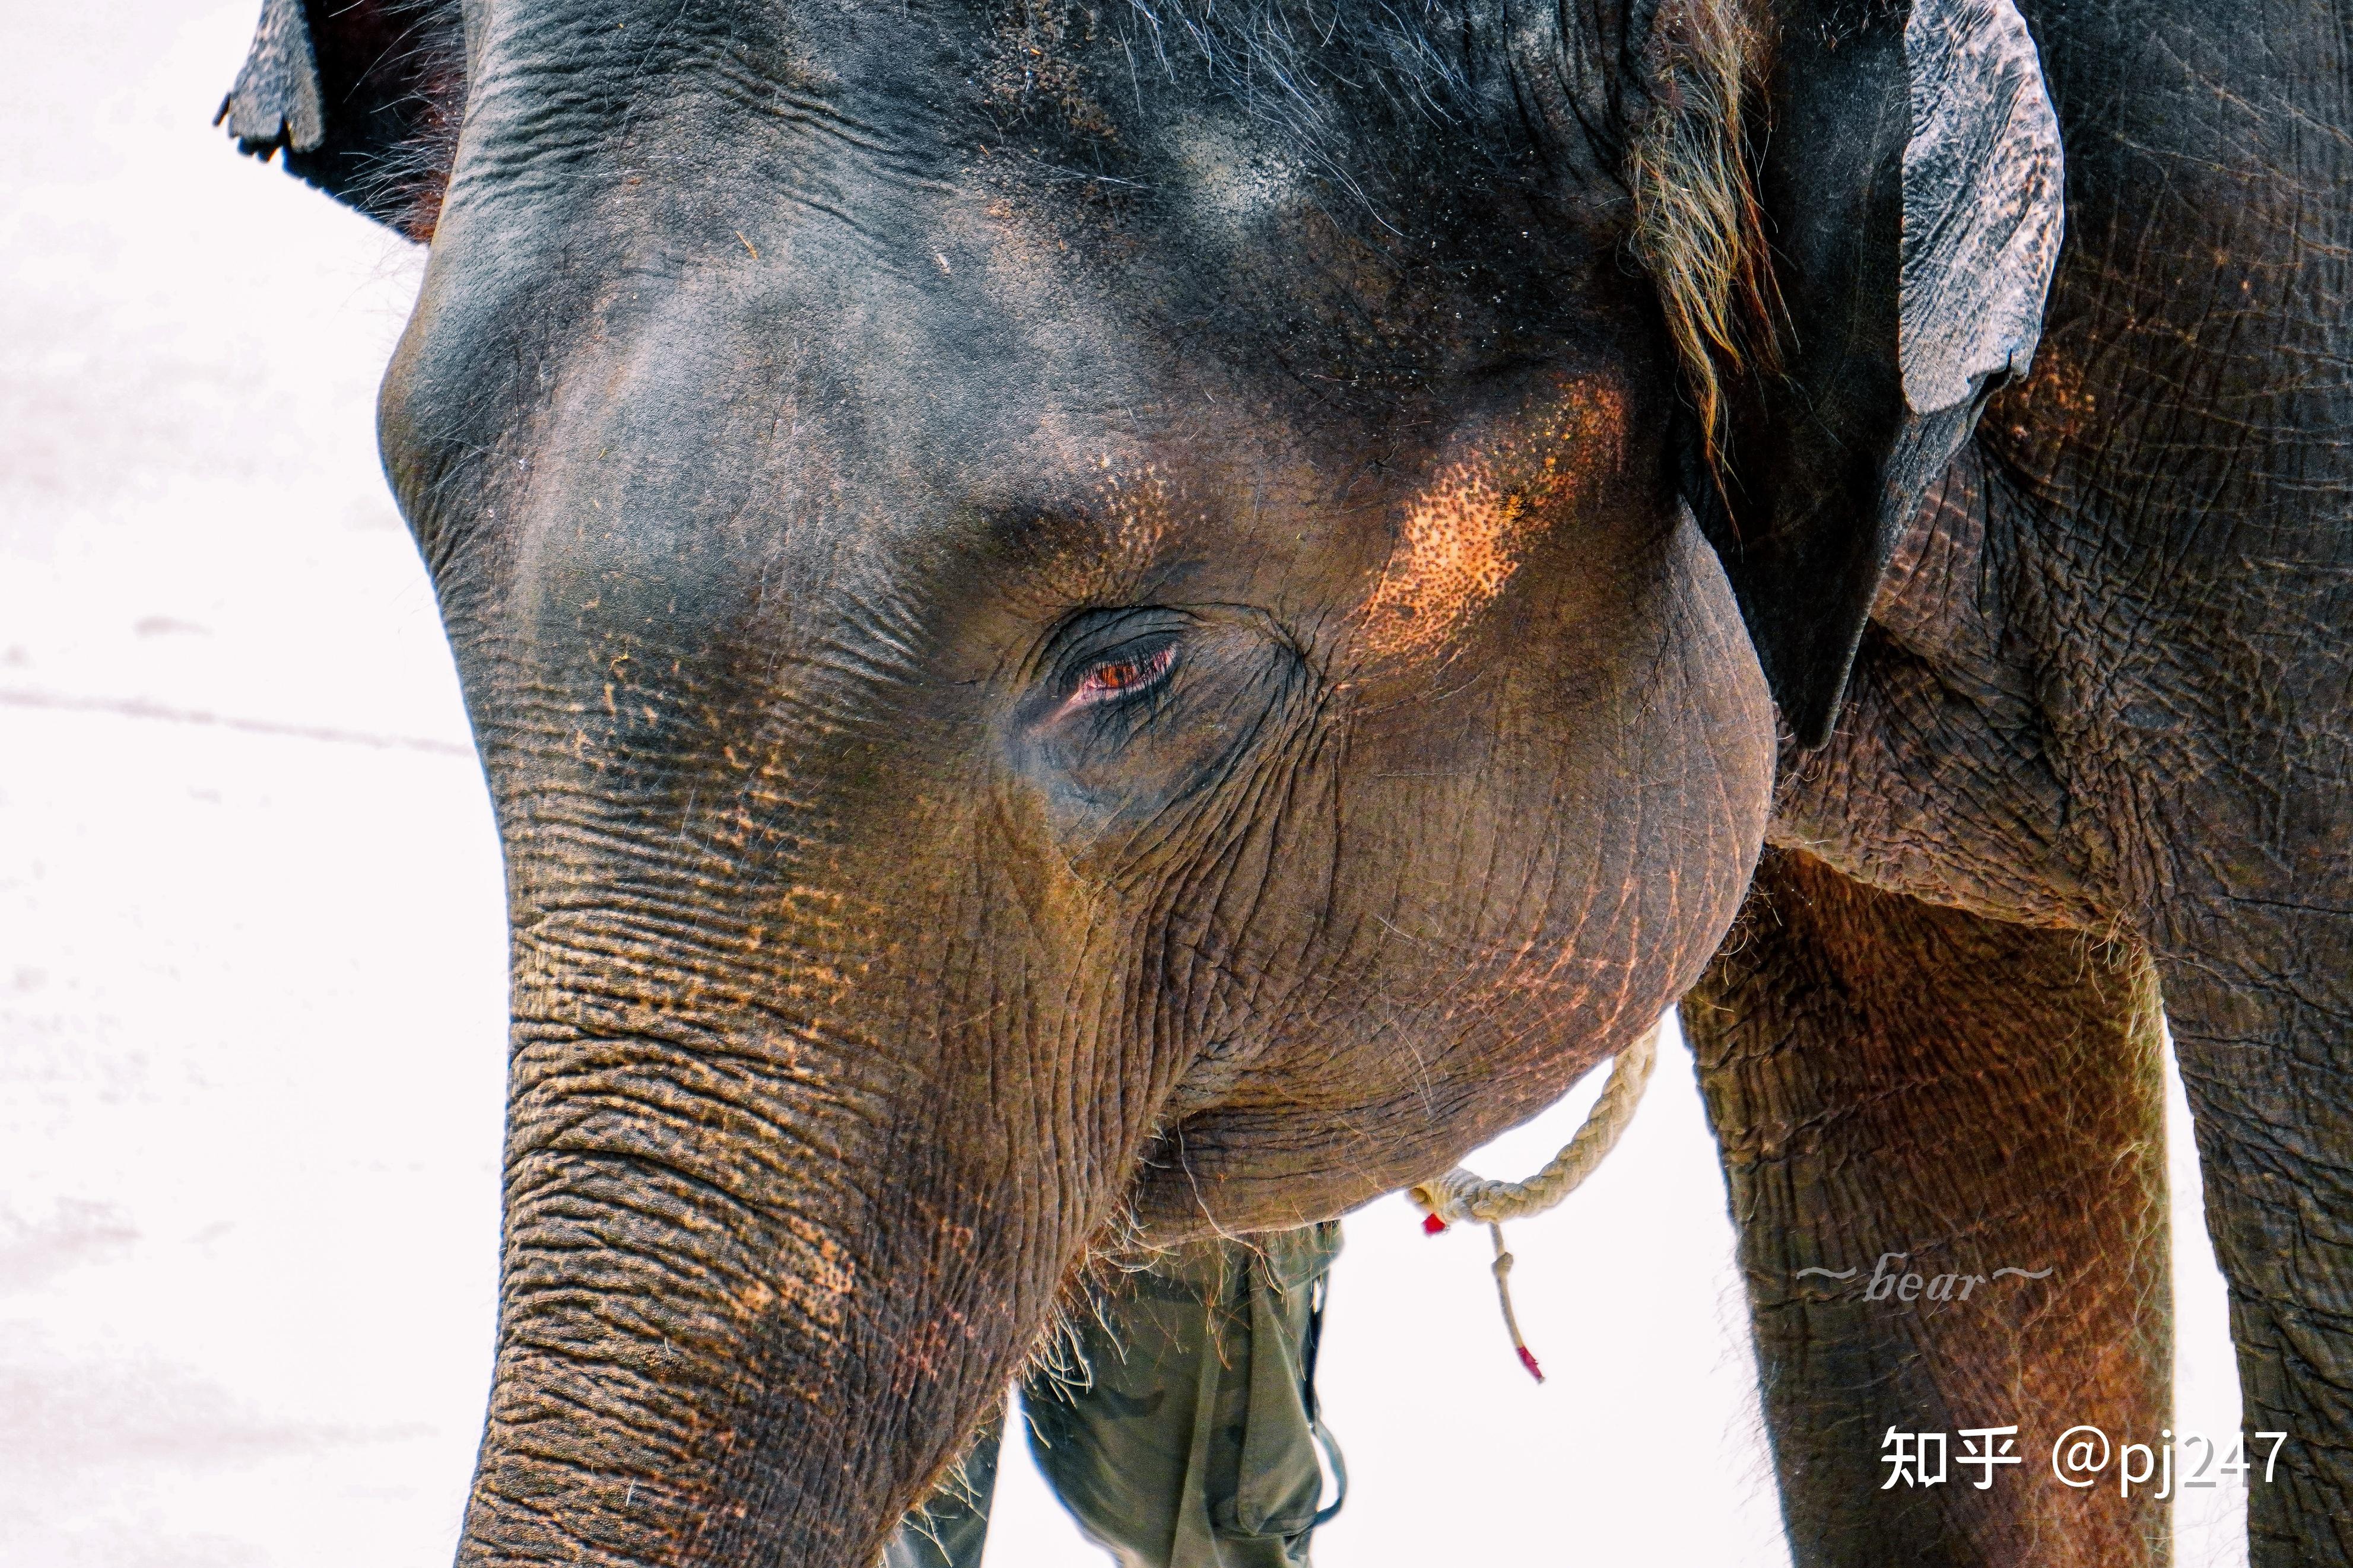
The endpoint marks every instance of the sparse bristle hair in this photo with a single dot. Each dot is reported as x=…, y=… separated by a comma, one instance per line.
x=1699, y=230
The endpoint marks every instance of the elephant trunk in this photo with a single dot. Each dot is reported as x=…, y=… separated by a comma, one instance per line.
x=753, y=1296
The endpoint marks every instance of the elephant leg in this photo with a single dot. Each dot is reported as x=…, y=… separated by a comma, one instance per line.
x=2267, y=1062
x=1910, y=1100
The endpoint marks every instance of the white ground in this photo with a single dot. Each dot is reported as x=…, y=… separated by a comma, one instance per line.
x=251, y=963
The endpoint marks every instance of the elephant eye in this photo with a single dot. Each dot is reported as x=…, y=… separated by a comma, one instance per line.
x=1140, y=708
x=1130, y=673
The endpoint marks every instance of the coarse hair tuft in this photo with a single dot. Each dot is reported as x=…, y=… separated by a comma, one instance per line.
x=1698, y=228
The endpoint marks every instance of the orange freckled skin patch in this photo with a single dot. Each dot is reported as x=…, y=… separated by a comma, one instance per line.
x=1465, y=534
x=1129, y=514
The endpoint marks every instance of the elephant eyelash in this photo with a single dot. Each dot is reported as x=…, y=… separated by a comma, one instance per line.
x=1118, y=679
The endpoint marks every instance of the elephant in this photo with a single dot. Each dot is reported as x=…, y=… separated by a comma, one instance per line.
x=1093, y=622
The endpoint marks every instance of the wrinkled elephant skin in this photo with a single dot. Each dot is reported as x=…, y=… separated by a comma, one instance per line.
x=1089, y=624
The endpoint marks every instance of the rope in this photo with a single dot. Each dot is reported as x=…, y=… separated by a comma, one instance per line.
x=1462, y=1194
x=1504, y=1294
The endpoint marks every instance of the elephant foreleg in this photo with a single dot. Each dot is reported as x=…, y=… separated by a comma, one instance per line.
x=1944, y=1142
x=2265, y=1060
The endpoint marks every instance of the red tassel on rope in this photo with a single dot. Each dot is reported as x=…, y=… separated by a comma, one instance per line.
x=1431, y=1226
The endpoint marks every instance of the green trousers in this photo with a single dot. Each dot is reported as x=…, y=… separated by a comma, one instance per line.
x=1189, y=1437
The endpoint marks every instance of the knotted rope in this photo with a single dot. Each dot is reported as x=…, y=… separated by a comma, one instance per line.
x=1462, y=1194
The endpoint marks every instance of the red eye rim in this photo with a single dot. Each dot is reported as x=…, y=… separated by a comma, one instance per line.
x=1116, y=679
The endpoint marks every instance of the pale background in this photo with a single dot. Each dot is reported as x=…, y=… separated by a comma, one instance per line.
x=251, y=964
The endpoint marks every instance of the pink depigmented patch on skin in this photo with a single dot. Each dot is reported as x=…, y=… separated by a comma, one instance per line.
x=1466, y=532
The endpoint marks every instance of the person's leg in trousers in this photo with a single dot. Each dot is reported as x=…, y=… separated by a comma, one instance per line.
x=1191, y=1441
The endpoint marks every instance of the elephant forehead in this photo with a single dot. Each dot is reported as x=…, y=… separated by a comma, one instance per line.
x=1463, y=535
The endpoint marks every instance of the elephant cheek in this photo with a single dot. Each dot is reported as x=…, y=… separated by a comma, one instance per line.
x=1698, y=797
x=1588, y=831
x=1521, y=886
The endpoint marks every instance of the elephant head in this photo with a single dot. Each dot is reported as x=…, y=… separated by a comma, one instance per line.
x=1088, y=624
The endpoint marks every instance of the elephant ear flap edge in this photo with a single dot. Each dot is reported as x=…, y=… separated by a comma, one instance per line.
x=362, y=99
x=1913, y=195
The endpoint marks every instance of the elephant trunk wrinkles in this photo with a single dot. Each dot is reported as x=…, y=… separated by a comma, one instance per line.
x=749, y=1308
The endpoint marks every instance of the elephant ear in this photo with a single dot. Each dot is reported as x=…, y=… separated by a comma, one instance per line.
x=362, y=96
x=1910, y=187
